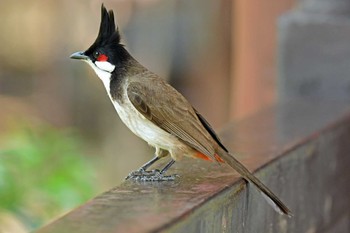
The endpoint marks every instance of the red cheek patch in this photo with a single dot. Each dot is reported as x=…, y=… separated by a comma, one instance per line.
x=102, y=57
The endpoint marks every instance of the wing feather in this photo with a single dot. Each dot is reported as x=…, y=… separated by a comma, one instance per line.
x=164, y=106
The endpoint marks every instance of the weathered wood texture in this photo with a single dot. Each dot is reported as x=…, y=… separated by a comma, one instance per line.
x=301, y=150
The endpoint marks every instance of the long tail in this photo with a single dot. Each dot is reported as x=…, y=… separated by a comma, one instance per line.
x=271, y=198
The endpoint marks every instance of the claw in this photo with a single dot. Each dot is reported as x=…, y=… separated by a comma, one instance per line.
x=154, y=175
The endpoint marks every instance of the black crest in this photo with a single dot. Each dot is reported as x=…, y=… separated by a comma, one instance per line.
x=108, y=31
x=108, y=35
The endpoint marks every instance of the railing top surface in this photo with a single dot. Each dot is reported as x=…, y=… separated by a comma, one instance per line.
x=258, y=141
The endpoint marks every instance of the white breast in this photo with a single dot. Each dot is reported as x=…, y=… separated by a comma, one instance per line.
x=144, y=128
x=141, y=126
x=134, y=120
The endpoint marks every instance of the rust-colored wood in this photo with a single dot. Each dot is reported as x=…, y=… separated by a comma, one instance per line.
x=254, y=43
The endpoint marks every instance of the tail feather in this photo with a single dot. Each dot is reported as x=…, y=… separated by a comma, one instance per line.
x=271, y=198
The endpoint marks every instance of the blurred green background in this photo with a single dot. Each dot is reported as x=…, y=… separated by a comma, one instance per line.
x=61, y=142
x=43, y=172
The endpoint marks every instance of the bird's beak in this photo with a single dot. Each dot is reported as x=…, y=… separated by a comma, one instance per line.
x=79, y=56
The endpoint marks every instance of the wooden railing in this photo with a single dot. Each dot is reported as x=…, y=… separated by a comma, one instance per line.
x=301, y=150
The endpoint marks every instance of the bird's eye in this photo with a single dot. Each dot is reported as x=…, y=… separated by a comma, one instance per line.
x=99, y=56
x=96, y=54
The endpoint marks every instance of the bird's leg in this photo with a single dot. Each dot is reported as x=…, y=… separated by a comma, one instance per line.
x=154, y=175
x=149, y=163
x=143, y=169
x=167, y=166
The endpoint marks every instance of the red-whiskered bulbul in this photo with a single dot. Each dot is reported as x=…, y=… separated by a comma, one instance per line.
x=156, y=112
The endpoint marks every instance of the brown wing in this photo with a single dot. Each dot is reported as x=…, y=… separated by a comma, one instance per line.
x=167, y=108
x=210, y=130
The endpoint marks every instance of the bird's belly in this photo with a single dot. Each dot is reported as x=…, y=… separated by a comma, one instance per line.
x=144, y=128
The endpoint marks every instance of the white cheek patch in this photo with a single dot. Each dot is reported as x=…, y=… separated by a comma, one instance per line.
x=105, y=65
x=105, y=76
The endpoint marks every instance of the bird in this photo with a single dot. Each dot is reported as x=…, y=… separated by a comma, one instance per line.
x=156, y=112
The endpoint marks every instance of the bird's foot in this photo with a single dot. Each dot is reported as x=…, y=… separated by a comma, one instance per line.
x=154, y=175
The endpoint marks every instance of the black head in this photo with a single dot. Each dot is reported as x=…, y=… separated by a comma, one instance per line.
x=107, y=46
